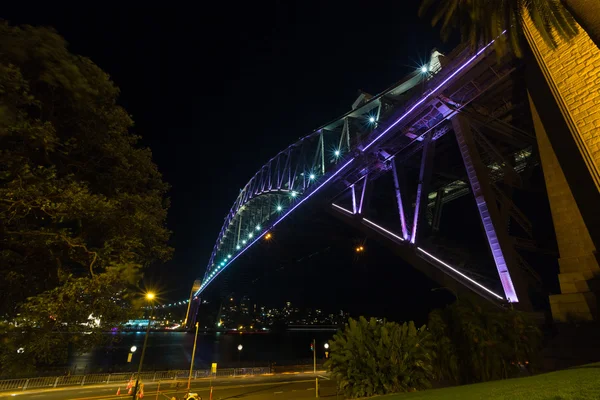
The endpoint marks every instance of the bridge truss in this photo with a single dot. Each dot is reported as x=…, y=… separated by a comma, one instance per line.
x=465, y=104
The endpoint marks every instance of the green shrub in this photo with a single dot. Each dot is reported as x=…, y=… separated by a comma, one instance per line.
x=476, y=342
x=371, y=357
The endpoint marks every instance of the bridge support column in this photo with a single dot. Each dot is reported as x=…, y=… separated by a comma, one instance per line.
x=564, y=90
x=564, y=85
x=513, y=283
x=437, y=211
x=399, y=201
x=423, y=186
x=192, y=308
x=579, y=269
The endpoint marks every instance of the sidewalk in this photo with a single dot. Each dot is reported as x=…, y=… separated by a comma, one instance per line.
x=148, y=384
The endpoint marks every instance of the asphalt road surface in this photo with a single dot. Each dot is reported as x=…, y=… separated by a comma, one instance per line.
x=277, y=387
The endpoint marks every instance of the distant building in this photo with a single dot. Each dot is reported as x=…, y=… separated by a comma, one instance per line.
x=245, y=305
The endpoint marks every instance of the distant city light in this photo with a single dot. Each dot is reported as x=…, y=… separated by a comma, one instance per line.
x=240, y=347
x=228, y=255
x=258, y=227
x=293, y=194
x=337, y=153
x=243, y=242
x=371, y=119
x=268, y=236
x=279, y=208
x=311, y=177
x=424, y=68
x=251, y=235
x=133, y=349
x=237, y=247
x=326, y=345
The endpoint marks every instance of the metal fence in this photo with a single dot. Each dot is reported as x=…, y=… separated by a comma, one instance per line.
x=122, y=378
x=304, y=368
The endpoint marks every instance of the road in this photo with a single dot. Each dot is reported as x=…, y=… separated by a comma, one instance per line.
x=277, y=387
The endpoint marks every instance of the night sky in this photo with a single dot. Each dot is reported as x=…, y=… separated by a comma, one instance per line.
x=217, y=90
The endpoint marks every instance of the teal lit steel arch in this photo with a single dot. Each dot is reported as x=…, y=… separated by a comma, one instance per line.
x=294, y=174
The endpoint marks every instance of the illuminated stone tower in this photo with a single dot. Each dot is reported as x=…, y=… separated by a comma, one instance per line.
x=565, y=103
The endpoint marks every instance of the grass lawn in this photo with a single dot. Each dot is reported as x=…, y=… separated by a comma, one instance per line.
x=576, y=383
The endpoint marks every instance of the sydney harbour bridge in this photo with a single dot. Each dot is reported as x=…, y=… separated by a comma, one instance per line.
x=461, y=125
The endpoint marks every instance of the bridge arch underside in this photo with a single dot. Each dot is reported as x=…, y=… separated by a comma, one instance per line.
x=395, y=162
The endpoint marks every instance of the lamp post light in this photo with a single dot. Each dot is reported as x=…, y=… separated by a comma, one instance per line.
x=130, y=355
x=240, y=347
x=149, y=297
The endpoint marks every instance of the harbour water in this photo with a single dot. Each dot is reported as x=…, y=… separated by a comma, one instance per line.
x=173, y=350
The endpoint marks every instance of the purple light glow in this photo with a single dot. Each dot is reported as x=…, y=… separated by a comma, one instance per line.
x=353, y=199
x=274, y=224
x=484, y=211
x=383, y=229
x=399, y=201
x=424, y=160
x=459, y=273
x=362, y=194
x=427, y=96
x=342, y=208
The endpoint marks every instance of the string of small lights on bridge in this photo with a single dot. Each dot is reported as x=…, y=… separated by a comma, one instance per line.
x=174, y=304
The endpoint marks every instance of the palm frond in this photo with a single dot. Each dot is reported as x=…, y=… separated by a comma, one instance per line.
x=486, y=20
x=562, y=21
x=515, y=33
x=425, y=6
x=538, y=12
x=450, y=13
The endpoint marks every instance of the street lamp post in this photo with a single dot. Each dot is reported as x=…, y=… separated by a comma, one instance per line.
x=149, y=297
x=314, y=357
x=240, y=347
x=193, y=355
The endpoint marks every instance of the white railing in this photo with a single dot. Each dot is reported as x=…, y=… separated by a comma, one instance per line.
x=122, y=378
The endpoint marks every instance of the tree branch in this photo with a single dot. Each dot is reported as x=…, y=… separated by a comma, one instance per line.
x=67, y=240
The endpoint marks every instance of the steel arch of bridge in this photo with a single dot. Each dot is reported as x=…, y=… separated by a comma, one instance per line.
x=339, y=149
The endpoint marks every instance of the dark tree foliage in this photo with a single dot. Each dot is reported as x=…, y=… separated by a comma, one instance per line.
x=476, y=342
x=82, y=205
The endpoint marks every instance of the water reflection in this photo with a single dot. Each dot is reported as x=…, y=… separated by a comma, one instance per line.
x=173, y=350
